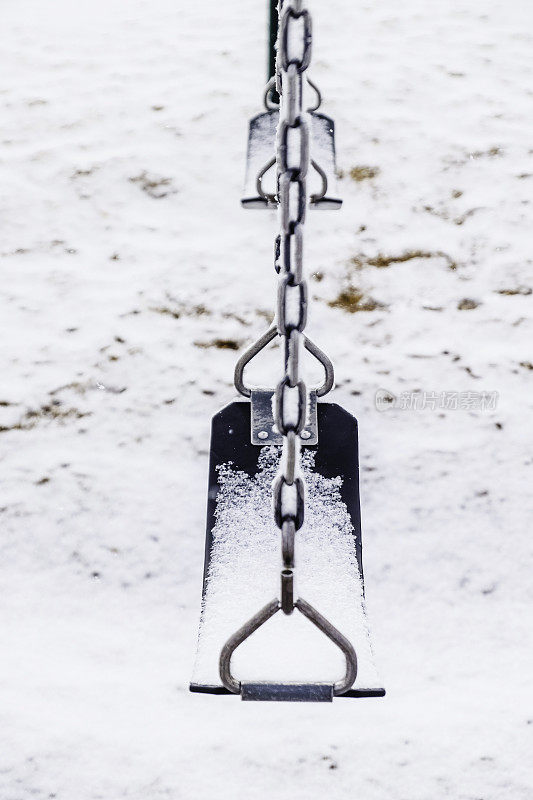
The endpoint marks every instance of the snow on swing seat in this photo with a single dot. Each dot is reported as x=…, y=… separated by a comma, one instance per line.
x=243, y=575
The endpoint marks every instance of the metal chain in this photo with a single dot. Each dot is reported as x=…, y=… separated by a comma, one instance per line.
x=292, y=160
x=290, y=398
x=270, y=105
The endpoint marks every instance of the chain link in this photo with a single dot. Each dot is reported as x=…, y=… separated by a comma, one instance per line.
x=292, y=160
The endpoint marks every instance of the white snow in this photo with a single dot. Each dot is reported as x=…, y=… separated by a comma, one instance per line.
x=244, y=577
x=125, y=256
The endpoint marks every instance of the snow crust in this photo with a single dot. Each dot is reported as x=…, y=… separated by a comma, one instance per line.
x=129, y=271
x=244, y=576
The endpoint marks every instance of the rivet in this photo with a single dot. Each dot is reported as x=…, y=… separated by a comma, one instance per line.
x=305, y=435
x=262, y=435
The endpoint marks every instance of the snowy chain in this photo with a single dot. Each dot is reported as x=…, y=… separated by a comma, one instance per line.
x=290, y=407
x=292, y=160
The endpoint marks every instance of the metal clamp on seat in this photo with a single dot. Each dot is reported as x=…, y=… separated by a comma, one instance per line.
x=264, y=429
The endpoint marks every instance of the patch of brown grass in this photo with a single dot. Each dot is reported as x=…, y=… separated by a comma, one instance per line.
x=154, y=185
x=524, y=290
x=352, y=300
x=364, y=173
x=221, y=344
x=53, y=411
x=383, y=261
x=466, y=304
x=182, y=310
x=166, y=310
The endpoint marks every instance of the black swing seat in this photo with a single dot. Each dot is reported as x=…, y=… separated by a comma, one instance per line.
x=259, y=183
x=334, y=460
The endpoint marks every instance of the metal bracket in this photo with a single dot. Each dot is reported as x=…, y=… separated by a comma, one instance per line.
x=264, y=431
x=265, y=340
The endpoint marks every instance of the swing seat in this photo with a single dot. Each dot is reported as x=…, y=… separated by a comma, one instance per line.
x=260, y=178
x=286, y=659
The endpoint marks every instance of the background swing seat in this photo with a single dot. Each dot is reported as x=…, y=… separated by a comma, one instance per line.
x=259, y=182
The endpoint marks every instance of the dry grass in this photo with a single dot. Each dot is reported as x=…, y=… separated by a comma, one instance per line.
x=221, y=344
x=352, y=300
x=53, y=411
x=383, y=261
x=364, y=173
x=466, y=304
x=154, y=185
x=523, y=290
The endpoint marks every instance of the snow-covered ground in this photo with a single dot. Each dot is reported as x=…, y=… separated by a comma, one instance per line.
x=126, y=259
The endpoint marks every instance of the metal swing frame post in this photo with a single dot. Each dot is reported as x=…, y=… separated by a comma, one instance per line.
x=272, y=36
